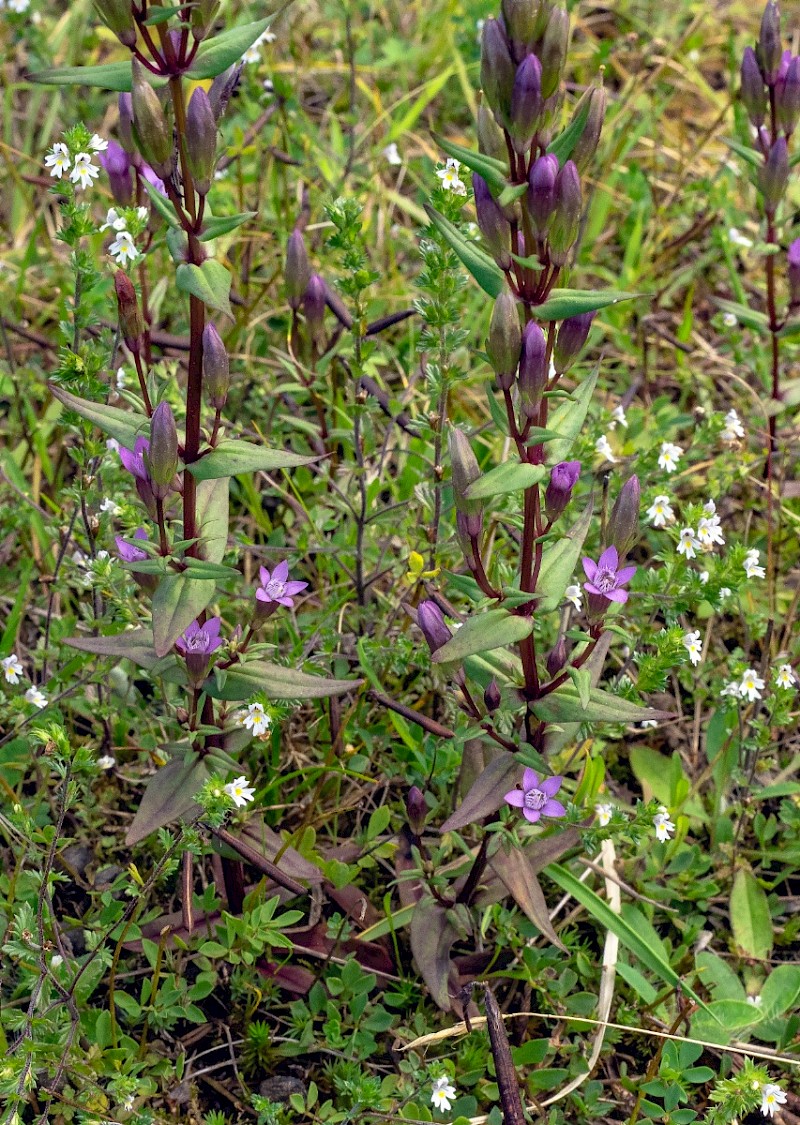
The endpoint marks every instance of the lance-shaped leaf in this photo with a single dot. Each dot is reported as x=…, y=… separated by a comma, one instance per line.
x=486, y=792
x=750, y=918
x=124, y=425
x=277, y=682
x=217, y=54
x=758, y=321
x=515, y=872
x=493, y=171
x=484, y=269
x=564, y=706
x=559, y=560
x=108, y=76
x=162, y=205
x=565, y=734
x=564, y=144
x=235, y=455
x=568, y=418
x=177, y=602
x=210, y=282
x=212, y=518
x=224, y=224
x=135, y=645
x=751, y=155
x=509, y=477
x=432, y=938
x=482, y=632
x=563, y=303
x=168, y=796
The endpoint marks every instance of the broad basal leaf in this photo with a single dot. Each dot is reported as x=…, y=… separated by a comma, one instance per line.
x=486, y=792
x=517, y=875
x=750, y=918
x=432, y=938
x=484, y=631
x=235, y=455
x=123, y=425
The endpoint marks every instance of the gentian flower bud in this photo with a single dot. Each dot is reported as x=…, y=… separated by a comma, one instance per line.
x=753, y=92
x=201, y=140
x=118, y=17
x=125, y=123
x=314, y=300
x=526, y=103
x=497, y=70
x=553, y=51
x=793, y=264
x=162, y=456
x=131, y=321
x=541, y=195
x=153, y=134
x=491, y=697
x=216, y=367
x=135, y=461
x=490, y=135
x=787, y=97
x=416, y=809
x=769, y=43
x=532, y=378
x=563, y=478
x=433, y=625
x=564, y=227
x=298, y=271
x=505, y=339
x=117, y=164
x=623, y=523
x=520, y=18
x=492, y=223
x=465, y=470
x=774, y=174
x=466, y=527
x=557, y=656
x=586, y=145
x=572, y=335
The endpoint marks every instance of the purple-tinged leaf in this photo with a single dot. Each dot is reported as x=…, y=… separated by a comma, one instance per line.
x=177, y=602
x=432, y=938
x=277, y=682
x=135, y=645
x=486, y=794
x=168, y=796
x=564, y=706
x=517, y=875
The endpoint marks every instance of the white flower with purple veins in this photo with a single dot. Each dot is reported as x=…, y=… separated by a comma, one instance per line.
x=771, y=1097
x=669, y=456
x=688, y=543
x=84, y=173
x=112, y=445
x=729, y=320
x=730, y=690
x=114, y=221
x=724, y=593
x=751, y=685
x=391, y=155
x=58, y=160
x=733, y=427
x=738, y=239
x=123, y=248
x=98, y=143
x=239, y=792
x=660, y=512
x=450, y=178
x=603, y=447
x=752, y=567
x=573, y=594
x=785, y=677
x=36, y=696
x=443, y=1094
x=694, y=646
x=709, y=531
x=604, y=813
x=12, y=669
x=663, y=825
x=276, y=588
x=257, y=720
x=535, y=798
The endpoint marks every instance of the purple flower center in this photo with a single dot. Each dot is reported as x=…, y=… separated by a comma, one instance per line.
x=275, y=589
x=605, y=579
x=535, y=799
x=200, y=642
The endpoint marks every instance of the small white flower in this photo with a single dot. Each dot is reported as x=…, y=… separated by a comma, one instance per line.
x=733, y=428
x=574, y=594
x=648, y=724
x=694, y=646
x=739, y=239
x=56, y=960
x=752, y=567
x=731, y=688
x=479, y=26
x=79, y=558
x=618, y=416
x=12, y=669
x=443, y=1094
x=729, y=320
x=58, y=160
x=121, y=380
x=771, y=1096
x=663, y=825
x=754, y=1000
x=128, y=1102
x=98, y=143
x=112, y=445
x=268, y=87
x=253, y=52
x=709, y=531
x=101, y=556
x=239, y=792
x=391, y=155
x=106, y=762
x=256, y=719
x=110, y=506
x=123, y=249
x=660, y=511
x=142, y=214
x=450, y=178
x=36, y=696
x=603, y=447
x=19, y=6
x=114, y=221
x=688, y=543
x=604, y=814
x=709, y=508
x=751, y=685
x=669, y=456
x=83, y=171
x=785, y=677
x=704, y=576
x=724, y=593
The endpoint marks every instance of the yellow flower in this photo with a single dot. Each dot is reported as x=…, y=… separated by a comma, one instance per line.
x=415, y=571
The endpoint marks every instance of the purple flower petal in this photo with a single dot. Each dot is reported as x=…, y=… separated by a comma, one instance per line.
x=553, y=808
x=294, y=587
x=625, y=575
x=516, y=798
x=532, y=814
x=262, y=595
x=263, y=574
x=281, y=572
x=551, y=785
x=530, y=779
x=616, y=595
x=212, y=627
x=593, y=589
x=609, y=559
x=589, y=568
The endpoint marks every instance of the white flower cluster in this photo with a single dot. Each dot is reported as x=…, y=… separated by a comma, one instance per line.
x=123, y=248
x=451, y=181
x=16, y=6
x=59, y=160
x=751, y=686
x=13, y=673
x=733, y=427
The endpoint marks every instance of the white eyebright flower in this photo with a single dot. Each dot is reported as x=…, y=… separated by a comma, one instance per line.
x=602, y=447
x=256, y=719
x=709, y=531
x=36, y=696
x=112, y=445
x=724, y=593
x=704, y=576
x=688, y=543
x=443, y=1094
x=618, y=416
x=660, y=511
x=733, y=427
x=110, y=506
x=391, y=155
x=450, y=178
x=123, y=249
x=239, y=792
x=738, y=239
x=58, y=160
x=663, y=825
x=114, y=221
x=106, y=762
x=98, y=143
x=752, y=567
x=771, y=1096
x=729, y=320
x=751, y=685
x=83, y=171
x=694, y=646
x=573, y=594
x=604, y=814
x=12, y=669
x=785, y=677
x=731, y=688
x=669, y=456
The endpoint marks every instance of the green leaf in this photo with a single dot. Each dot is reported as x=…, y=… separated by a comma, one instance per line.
x=198, y=568
x=780, y=992
x=750, y=918
x=224, y=224
x=162, y=205
x=564, y=706
x=510, y=477
x=177, y=602
x=123, y=425
x=564, y=144
x=570, y=302
x=159, y=14
x=568, y=418
x=135, y=645
x=168, y=795
x=723, y=1020
x=276, y=682
x=211, y=283
x=108, y=76
x=235, y=455
x=582, y=681
x=486, y=793
x=751, y=155
x=559, y=560
x=217, y=54
x=212, y=519
x=718, y=978
x=745, y=315
x=628, y=936
x=511, y=194
x=482, y=632
x=483, y=268
x=495, y=172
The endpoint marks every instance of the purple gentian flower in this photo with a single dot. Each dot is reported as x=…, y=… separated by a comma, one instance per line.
x=117, y=164
x=197, y=644
x=605, y=579
x=535, y=798
x=276, y=589
x=152, y=179
x=133, y=459
x=128, y=551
